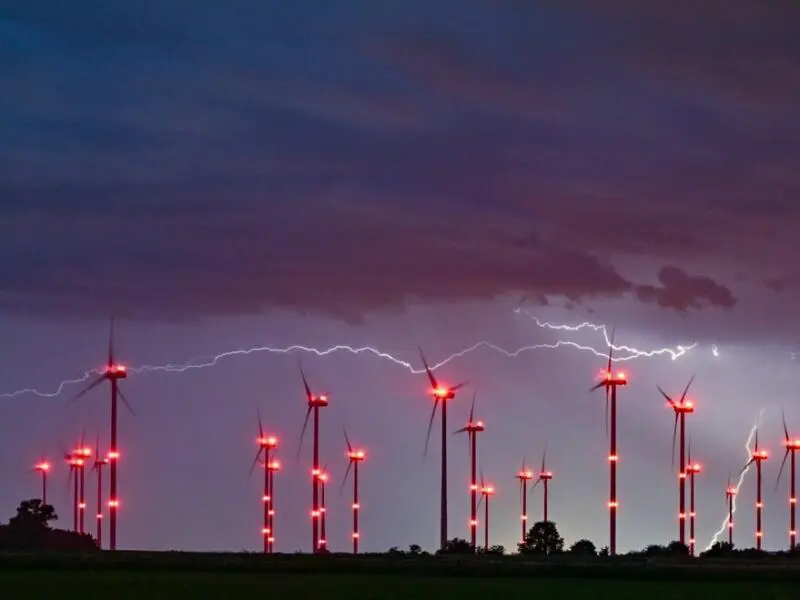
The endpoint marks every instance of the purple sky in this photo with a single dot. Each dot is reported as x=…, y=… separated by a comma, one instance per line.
x=228, y=175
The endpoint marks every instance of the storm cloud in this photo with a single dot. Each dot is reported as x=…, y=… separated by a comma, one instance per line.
x=220, y=161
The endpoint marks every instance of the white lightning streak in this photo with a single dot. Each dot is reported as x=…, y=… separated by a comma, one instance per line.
x=210, y=361
x=747, y=447
x=674, y=354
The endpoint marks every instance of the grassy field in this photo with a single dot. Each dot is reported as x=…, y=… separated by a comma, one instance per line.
x=120, y=585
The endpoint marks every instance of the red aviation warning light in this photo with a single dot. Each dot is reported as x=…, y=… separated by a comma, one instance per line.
x=115, y=371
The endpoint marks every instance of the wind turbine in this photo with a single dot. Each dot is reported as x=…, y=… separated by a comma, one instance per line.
x=112, y=373
x=730, y=494
x=792, y=446
x=610, y=383
x=272, y=467
x=681, y=408
x=693, y=469
x=265, y=445
x=524, y=475
x=75, y=462
x=441, y=395
x=84, y=453
x=314, y=404
x=99, y=463
x=487, y=491
x=42, y=467
x=757, y=457
x=472, y=429
x=544, y=477
x=354, y=457
x=323, y=509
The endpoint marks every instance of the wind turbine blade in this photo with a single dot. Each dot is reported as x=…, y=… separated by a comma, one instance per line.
x=533, y=487
x=260, y=423
x=597, y=386
x=611, y=345
x=462, y=430
x=483, y=484
x=689, y=452
x=346, y=474
x=86, y=390
x=755, y=447
x=430, y=427
x=303, y=432
x=472, y=408
x=686, y=389
x=255, y=462
x=111, y=341
x=544, y=458
x=785, y=428
x=674, y=434
x=666, y=396
x=431, y=378
x=347, y=439
x=783, y=463
x=457, y=387
x=749, y=462
x=309, y=395
x=125, y=402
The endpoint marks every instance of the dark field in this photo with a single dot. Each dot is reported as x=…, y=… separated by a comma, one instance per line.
x=197, y=576
x=121, y=585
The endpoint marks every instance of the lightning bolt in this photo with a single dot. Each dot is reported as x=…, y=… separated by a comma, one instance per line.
x=203, y=362
x=749, y=449
x=674, y=353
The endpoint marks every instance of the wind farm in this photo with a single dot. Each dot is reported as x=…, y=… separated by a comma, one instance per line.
x=391, y=300
x=479, y=491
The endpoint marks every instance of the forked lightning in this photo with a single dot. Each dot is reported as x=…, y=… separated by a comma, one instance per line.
x=629, y=353
x=749, y=449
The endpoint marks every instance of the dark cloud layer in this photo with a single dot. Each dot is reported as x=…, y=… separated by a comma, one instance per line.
x=240, y=156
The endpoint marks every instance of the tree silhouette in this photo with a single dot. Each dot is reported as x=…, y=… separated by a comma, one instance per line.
x=718, y=549
x=676, y=548
x=603, y=551
x=32, y=516
x=583, y=547
x=542, y=538
x=456, y=546
x=29, y=530
x=497, y=550
x=415, y=549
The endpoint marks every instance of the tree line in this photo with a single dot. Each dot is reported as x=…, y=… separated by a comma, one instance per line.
x=31, y=530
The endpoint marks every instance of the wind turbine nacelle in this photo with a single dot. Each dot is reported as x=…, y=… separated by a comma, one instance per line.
x=116, y=371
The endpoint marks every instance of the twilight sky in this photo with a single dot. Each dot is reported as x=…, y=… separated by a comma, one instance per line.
x=230, y=175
